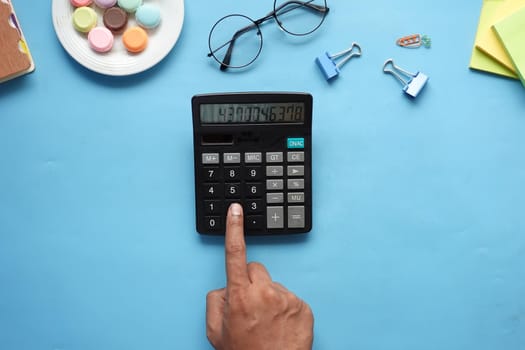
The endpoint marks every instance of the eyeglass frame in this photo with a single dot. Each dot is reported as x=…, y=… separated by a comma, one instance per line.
x=224, y=64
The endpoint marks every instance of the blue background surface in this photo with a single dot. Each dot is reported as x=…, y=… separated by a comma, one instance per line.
x=418, y=238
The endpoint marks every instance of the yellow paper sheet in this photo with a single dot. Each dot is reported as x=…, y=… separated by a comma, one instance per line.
x=489, y=42
x=479, y=60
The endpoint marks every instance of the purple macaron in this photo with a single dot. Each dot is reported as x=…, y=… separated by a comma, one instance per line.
x=105, y=4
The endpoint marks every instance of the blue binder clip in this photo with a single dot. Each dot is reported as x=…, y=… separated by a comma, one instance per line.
x=414, y=83
x=329, y=67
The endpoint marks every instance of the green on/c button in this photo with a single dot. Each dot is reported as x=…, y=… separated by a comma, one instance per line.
x=296, y=142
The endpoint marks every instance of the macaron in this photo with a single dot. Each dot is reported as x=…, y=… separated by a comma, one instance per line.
x=148, y=16
x=80, y=3
x=105, y=4
x=115, y=19
x=100, y=39
x=84, y=19
x=129, y=6
x=135, y=39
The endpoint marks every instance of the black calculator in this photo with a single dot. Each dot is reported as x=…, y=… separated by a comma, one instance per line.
x=254, y=149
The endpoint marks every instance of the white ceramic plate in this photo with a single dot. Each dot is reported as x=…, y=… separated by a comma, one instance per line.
x=119, y=61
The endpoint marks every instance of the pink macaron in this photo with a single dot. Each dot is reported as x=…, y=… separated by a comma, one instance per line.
x=80, y=3
x=100, y=39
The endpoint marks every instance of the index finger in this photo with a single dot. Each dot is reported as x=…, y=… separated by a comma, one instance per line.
x=235, y=248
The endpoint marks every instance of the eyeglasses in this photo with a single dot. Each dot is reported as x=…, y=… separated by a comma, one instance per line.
x=294, y=17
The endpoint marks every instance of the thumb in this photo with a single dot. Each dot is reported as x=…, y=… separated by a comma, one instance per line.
x=214, y=315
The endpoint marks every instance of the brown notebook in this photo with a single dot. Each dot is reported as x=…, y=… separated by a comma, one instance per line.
x=15, y=59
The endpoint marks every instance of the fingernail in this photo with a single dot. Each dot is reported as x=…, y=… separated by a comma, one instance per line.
x=236, y=209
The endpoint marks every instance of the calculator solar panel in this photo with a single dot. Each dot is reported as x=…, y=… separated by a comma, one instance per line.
x=253, y=149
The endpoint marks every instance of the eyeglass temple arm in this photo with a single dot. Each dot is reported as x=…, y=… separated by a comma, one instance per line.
x=227, y=57
x=307, y=4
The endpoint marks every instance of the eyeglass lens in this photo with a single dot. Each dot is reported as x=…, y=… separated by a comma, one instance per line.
x=239, y=34
x=300, y=17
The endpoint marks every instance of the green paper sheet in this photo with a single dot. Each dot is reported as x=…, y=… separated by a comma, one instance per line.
x=511, y=32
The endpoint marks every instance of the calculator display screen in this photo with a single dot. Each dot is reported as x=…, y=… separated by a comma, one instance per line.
x=239, y=113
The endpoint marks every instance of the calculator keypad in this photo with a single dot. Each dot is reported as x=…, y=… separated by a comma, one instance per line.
x=269, y=185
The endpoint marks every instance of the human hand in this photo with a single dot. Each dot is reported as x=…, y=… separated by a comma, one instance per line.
x=252, y=312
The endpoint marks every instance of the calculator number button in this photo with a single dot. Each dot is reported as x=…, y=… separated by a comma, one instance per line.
x=211, y=174
x=232, y=191
x=254, y=190
x=212, y=190
x=254, y=206
x=232, y=174
x=253, y=173
x=213, y=223
x=213, y=207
